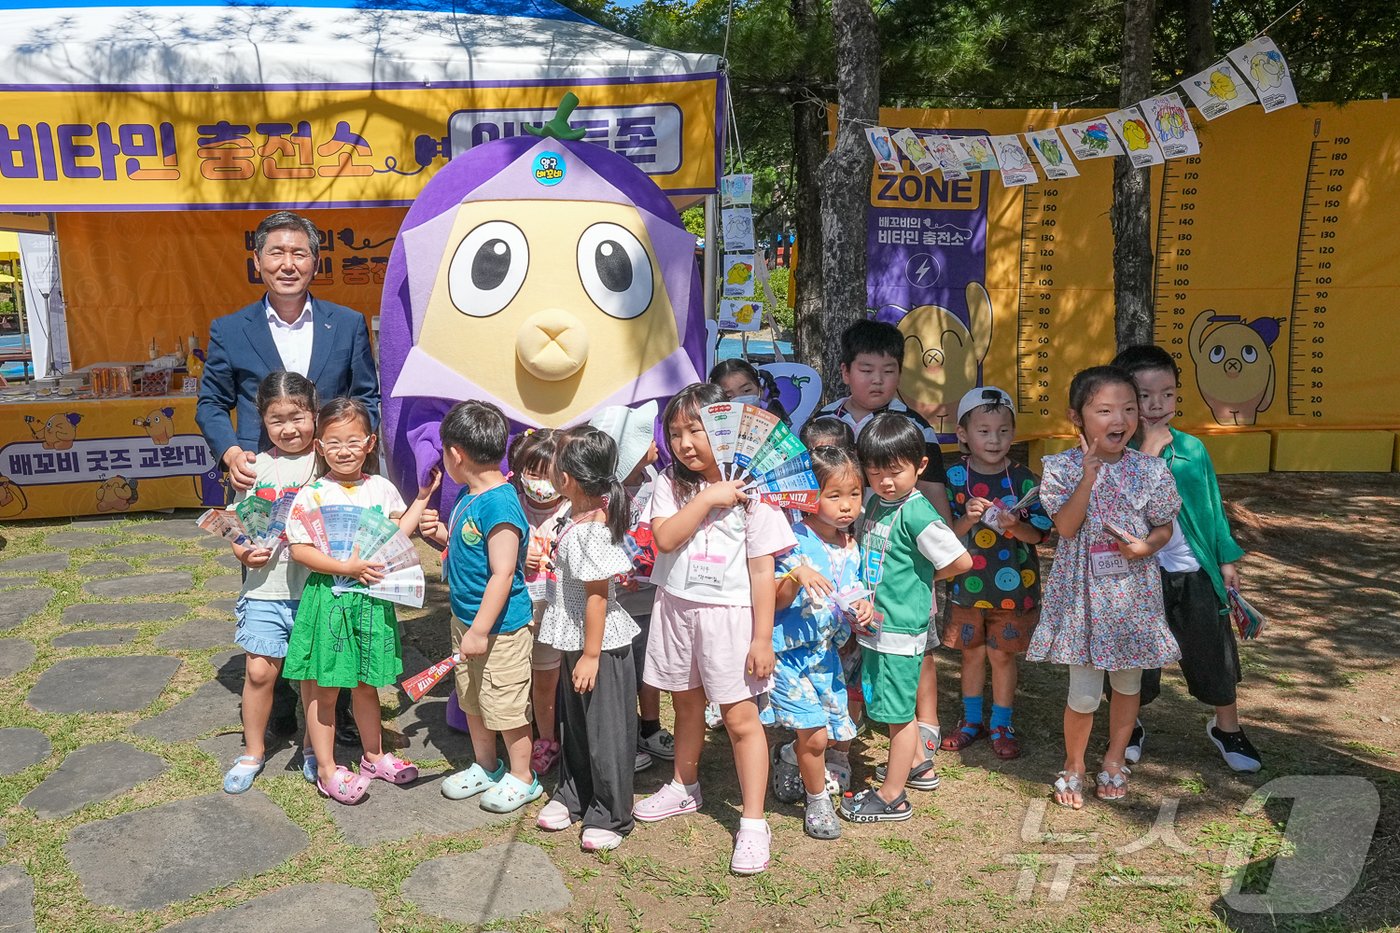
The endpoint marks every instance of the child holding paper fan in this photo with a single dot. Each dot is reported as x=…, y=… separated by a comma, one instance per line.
x=818, y=594
x=712, y=626
x=594, y=633
x=350, y=640
x=531, y=455
x=272, y=585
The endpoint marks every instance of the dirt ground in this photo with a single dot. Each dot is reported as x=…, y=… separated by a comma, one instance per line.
x=1320, y=698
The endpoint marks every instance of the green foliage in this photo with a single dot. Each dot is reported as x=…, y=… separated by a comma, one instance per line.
x=694, y=219
x=778, y=280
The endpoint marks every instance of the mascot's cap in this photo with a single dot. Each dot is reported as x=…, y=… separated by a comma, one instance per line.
x=984, y=395
x=632, y=429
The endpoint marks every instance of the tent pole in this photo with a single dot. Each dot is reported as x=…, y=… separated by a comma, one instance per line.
x=19, y=311
x=711, y=255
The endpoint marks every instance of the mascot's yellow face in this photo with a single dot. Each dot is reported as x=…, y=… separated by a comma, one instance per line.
x=554, y=304
x=941, y=356
x=1134, y=134
x=60, y=432
x=1234, y=370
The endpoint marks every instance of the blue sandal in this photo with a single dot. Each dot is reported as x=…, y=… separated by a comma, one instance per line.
x=236, y=780
x=472, y=781
x=308, y=765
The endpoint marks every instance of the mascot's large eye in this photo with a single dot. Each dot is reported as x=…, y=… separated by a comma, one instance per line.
x=1217, y=353
x=488, y=268
x=1250, y=354
x=615, y=270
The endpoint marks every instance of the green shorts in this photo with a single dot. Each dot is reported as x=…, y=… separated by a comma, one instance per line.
x=890, y=683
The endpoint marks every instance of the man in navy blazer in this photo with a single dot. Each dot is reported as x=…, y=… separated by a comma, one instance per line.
x=286, y=329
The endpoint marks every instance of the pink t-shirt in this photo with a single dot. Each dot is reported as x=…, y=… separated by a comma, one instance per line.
x=732, y=536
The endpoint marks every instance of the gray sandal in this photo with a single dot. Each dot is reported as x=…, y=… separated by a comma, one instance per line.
x=1118, y=781
x=1069, y=782
x=820, y=821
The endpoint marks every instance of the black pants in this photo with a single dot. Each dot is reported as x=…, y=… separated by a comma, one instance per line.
x=285, y=699
x=1210, y=659
x=598, y=731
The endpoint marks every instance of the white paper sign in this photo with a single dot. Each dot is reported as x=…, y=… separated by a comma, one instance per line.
x=978, y=155
x=1171, y=126
x=1131, y=127
x=737, y=226
x=1092, y=139
x=915, y=149
x=1218, y=90
x=740, y=315
x=949, y=158
x=1052, y=154
x=1015, y=165
x=1262, y=63
x=883, y=147
x=738, y=275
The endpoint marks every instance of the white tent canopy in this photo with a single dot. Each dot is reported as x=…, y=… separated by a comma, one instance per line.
x=218, y=43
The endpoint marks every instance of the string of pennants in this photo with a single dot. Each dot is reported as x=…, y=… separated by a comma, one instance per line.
x=744, y=289
x=1148, y=133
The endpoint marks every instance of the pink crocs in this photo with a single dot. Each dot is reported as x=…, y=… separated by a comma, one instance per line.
x=390, y=768
x=670, y=800
x=750, y=851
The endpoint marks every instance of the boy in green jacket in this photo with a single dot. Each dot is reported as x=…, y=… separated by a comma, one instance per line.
x=1198, y=563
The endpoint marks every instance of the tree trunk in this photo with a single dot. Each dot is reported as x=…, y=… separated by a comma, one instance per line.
x=845, y=180
x=808, y=150
x=1131, y=215
x=1200, y=36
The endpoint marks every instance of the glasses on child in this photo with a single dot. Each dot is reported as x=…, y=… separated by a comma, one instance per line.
x=354, y=445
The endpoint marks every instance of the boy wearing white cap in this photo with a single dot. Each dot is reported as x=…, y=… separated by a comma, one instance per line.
x=633, y=429
x=996, y=604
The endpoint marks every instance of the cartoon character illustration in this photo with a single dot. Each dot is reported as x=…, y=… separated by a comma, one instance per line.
x=738, y=226
x=942, y=356
x=1095, y=137
x=739, y=273
x=1171, y=122
x=799, y=389
x=584, y=276
x=13, y=501
x=1049, y=150
x=116, y=494
x=1135, y=135
x=1267, y=69
x=977, y=150
x=1234, y=369
x=158, y=424
x=915, y=149
x=744, y=313
x=58, y=433
x=1221, y=86
x=882, y=148
x=1013, y=158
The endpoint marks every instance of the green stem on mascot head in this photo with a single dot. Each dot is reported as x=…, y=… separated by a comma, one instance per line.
x=559, y=128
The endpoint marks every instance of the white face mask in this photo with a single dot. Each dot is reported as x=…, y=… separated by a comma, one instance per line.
x=746, y=400
x=539, y=490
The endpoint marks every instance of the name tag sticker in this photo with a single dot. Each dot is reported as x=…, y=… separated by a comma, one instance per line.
x=705, y=570
x=1105, y=560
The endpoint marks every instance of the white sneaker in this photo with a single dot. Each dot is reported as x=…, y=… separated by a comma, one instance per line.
x=553, y=817
x=642, y=762
x=599, y=840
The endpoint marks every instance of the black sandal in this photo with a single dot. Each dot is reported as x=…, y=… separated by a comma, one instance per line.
x=869, y=807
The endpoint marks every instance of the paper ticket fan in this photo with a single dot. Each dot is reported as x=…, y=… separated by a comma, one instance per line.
x=1247, y=620
x=265, y=519
x=755, y=425
x=425, y=680
x=255, y=514
x=721, y=422
x=224, y=524
x=341, y=530
x=781, y=446
x=341, y=522
x=792, y=484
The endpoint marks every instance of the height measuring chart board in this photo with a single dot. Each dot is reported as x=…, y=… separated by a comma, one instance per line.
x=1274, y=270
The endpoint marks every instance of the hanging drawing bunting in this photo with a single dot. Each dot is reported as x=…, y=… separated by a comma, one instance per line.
x=1016, y=167
x=1131, y=127
x=1262, y=63
x=1171, y=126
x=914, y=148
x=883, y=147
x=1092, y=139
x=977, y=153
x=1050, y=152
x=1218, y=90
x=950, y=161
x=736, y=189
x=736, y=225
x=738, y=275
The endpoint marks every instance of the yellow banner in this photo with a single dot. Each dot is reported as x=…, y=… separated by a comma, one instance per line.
x=332, y=147
x=132, y=278
x=1275, y=270
x=61, y=457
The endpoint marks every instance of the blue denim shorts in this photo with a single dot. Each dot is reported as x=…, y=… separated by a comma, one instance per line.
x=264, y=625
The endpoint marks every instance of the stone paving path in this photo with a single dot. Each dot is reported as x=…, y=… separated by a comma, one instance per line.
x=117, y=653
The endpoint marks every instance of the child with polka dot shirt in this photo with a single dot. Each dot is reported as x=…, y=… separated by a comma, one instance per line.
x=996, y=604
